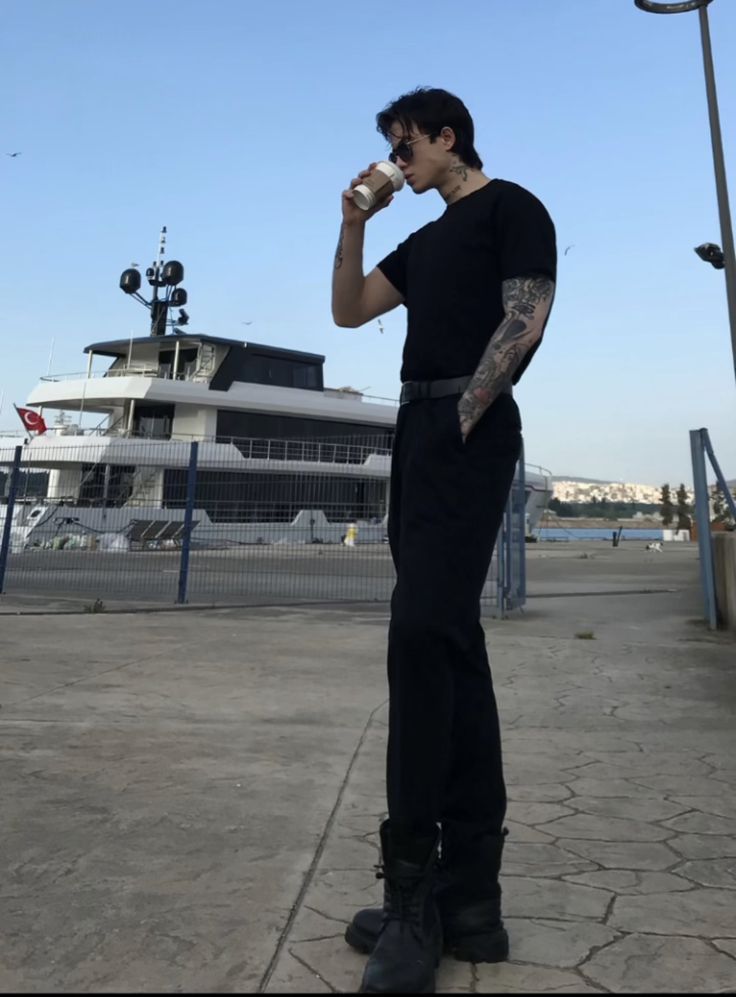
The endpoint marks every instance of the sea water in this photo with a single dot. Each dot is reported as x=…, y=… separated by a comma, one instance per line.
x=597, y=533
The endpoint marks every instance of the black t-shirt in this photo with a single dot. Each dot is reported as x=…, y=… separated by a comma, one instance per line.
x=450, y=273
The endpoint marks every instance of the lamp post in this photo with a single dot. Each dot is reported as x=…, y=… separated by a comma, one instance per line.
x=729, y=258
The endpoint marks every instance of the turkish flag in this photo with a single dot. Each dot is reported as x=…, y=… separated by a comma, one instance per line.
x=31, y=420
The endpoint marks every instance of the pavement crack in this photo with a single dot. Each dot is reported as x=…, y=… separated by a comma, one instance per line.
x=328, y=917
x=593, y=984
x=474, y=980
x=609, y=910
x=311, y=969
x=315, y=938
x=311, y=871
x=92, y=677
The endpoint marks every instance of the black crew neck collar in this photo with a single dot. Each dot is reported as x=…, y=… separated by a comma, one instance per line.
x=467, y=197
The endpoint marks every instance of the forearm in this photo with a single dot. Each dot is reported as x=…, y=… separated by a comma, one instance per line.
x=527, y=303
x=502, y=356
x=347, y=276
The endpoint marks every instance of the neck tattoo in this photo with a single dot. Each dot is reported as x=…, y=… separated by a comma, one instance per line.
x=461, y=169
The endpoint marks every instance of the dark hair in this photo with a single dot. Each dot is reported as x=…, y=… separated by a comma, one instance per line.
x=431, y=110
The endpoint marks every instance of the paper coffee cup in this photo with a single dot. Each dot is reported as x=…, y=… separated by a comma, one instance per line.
x=378, y=186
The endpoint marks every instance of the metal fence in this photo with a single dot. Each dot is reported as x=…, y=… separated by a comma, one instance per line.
x=224, y=521
x=700, y=447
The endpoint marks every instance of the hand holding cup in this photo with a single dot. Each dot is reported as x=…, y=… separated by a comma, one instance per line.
x=372, y=190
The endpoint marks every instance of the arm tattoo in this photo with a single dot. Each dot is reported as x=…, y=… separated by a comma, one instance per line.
x=527, y=302
x=338, y=251
x=525, y=294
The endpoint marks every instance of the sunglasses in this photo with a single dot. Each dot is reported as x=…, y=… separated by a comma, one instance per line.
x=404, y=151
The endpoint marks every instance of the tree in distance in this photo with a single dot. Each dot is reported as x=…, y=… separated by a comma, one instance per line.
x=684, y=522
x=721, y=512
x=667, y=508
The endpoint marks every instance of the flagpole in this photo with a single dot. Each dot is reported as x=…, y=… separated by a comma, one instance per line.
x=22, y=420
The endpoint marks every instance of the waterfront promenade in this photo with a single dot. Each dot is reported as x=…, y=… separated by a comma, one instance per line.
x=191, y=798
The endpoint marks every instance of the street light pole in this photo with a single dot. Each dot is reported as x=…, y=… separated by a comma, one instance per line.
x=724, y=211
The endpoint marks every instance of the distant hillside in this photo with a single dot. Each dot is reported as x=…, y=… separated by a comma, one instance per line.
x=586, y=481
x=600, y=481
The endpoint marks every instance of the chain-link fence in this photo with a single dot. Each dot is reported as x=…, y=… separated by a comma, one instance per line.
x=213, y=521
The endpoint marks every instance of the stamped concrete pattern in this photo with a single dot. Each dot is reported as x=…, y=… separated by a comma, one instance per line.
x=192, y=800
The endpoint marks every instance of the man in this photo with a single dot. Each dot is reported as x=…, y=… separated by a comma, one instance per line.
x=478, y=285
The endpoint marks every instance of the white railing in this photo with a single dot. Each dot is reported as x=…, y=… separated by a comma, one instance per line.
x=134, y=370
x=393, y=402
x=345, y=394
x=327, y=451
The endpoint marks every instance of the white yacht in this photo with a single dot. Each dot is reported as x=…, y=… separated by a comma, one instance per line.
x=280, y=456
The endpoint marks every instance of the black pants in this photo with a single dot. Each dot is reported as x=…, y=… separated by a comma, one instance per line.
x=446, y=506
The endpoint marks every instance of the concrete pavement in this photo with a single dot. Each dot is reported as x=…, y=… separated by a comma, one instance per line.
x=191, y=799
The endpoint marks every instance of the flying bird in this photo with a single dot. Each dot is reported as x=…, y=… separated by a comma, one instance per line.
x=13, y=154
x=380, y=326
x=247, y=323
x=569, y=247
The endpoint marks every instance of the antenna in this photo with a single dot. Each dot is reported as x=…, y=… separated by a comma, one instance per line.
x=159, y=264
x=154, y=271
x=159, y=275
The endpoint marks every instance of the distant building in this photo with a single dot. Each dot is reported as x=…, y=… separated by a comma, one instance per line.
x=611, y=491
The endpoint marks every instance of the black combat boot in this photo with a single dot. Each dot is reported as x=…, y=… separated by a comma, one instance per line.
x=408, y=942
x=468, y=897
x=468, y=894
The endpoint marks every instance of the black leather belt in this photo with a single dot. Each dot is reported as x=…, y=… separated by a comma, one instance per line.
x=412, y=391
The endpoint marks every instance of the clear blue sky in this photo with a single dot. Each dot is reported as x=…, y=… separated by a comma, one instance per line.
x=238, y=123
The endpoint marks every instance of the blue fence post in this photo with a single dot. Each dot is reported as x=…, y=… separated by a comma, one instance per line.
x=511, y=546
x=702, y=518
x=12, y=492
x=188, y=515
x=520, y=485
x=501, y=565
